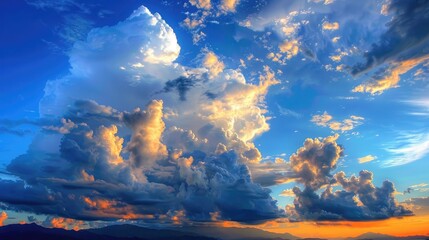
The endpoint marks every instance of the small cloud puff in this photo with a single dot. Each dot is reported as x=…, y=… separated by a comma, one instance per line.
x=367, y=158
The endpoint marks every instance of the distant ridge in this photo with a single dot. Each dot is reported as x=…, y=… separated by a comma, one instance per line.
x=379, y=236
x=36, y=232
x=133, y=232
x=234, y=233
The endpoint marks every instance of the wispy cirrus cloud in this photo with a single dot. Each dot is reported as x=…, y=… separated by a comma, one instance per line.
x=421, y=106
x=288, y=112
x=407, y=148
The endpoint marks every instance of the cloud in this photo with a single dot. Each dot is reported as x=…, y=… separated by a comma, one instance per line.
x=313, y=162
x=166, y=161
x=367, y=158
x=205, y=4
x=213, y=64
x=3, y=217
x=291, y=48
x=271, y=173
x=322, y=120
x=66, y=223
x=67, y=124
x=420, y=205
x=60, y=6
x=421, y=187
x=287, y=193
x=145, y=146
x=229, y=5
x=407, y=148
x=181, y=84
x=421, y=106
x=287, y=112
x=403, y=39
x=391, y=77
x=330, y=26
x=326, y=120
x=402, y=47
x=358, y=199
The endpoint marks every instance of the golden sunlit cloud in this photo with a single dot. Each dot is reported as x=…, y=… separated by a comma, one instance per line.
x=392, y=77
x=330, y=26
x=367, y=158
x=213, y=64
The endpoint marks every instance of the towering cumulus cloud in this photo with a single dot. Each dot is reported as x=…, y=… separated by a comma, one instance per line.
x=358, y=199
x=139, y=136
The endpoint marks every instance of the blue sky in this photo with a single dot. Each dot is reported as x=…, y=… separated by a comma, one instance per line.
x=258, y=78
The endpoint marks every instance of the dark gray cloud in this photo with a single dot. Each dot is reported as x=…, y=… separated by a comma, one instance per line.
x=356, y=200
x=182, y=85
x=86, y=180
x=406, y=37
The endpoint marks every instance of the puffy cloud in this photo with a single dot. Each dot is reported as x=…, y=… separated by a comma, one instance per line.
x=339, y=56
x=229, y=5
x=134, y=56
x=313, y=162
x=335, y=39
x=326, y=120
x=291, y=48
x=367, y=158
x=3, y=217
x=213, y=64
x=145, y=145
x=205, y=4
x=237, y=108
x=358, y=199
x=167, y=161
x=322, y=120
x=67, y=124
x=193, y=23
x=330, y=26
x=111, y=143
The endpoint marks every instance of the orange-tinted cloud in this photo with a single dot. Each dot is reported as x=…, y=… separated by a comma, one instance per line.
x=66, y=223
x=3, y=217
x=392, y=78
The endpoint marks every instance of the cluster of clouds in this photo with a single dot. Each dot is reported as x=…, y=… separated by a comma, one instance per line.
x=356, y=199
x=401, y=48
x=296, y=27
x=142, y=137
x=200, y=12
x=136, y=136
x=326, y=120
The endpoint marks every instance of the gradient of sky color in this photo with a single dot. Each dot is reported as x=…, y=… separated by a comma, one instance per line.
x=243, y=85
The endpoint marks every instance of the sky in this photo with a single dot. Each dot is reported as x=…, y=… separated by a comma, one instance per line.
x=288, y=116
